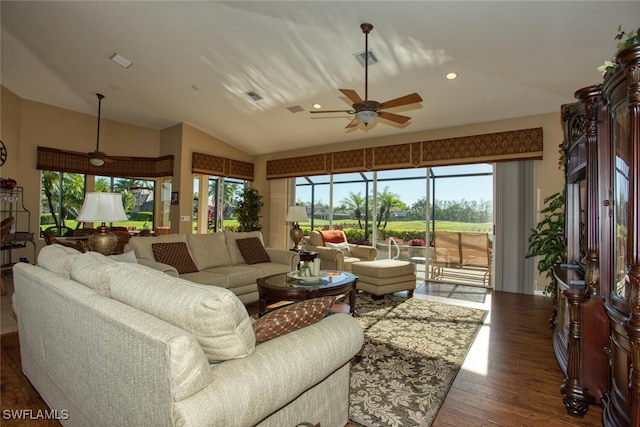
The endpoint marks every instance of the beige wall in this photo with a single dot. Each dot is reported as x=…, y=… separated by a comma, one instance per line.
x=26, y=124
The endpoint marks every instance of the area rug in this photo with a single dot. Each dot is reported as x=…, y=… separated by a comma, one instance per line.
x=412, y=352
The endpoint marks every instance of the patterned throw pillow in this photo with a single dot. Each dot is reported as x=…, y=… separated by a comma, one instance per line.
x=175, y=254
x=252, y=250
x=291, y=318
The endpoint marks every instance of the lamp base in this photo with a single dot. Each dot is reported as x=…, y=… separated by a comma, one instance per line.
x=297, y=235
x=103, y=241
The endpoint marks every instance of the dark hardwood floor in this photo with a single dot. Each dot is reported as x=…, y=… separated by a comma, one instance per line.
x=510, y=377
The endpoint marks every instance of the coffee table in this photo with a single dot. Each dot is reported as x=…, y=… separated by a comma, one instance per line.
x=282, y=287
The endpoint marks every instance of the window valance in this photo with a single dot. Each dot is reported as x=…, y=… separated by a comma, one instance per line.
x=220, y=166
x=525, y=144
x=74, y=162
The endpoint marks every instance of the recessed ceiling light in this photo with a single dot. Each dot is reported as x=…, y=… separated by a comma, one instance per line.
x=121, y=60
x=317, y=106
x=452, y=76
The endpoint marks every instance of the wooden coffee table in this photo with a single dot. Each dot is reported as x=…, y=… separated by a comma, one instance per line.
x=281, y=287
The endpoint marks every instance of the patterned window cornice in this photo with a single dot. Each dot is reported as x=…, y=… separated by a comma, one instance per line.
x=74, y=162
x=525, y=144
x=220, y=166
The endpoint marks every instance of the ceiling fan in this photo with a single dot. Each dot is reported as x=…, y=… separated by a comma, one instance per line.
x=97, y=157
x=367, y=111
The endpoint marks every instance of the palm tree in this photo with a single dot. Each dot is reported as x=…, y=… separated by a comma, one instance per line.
x=354, y=202
x=63, y=194
x=388, y=200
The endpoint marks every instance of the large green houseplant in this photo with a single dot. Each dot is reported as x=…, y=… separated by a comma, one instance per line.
x=248, y=209
x=547, y=239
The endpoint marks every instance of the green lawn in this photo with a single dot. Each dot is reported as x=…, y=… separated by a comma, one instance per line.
x=484, y=227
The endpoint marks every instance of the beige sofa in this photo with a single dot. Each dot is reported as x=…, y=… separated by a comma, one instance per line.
x=218, y=261
x=110, y=343
x=333, y=258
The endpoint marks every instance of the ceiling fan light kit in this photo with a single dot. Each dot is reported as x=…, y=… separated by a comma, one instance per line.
x=367, y=111
x=95, y=161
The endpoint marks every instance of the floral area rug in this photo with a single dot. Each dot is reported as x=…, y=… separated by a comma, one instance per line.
x=412, y=352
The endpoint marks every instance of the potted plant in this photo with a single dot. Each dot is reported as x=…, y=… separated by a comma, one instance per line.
x=248, y=210
x=547, y=239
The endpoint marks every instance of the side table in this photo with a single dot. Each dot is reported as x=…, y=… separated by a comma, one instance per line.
x=306, y=256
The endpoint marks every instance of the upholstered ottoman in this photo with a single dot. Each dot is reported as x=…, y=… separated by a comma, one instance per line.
x=385, y=276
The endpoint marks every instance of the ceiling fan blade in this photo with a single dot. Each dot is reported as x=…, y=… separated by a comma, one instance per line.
x=333, y=111
x=403, y=100
x=393, y=117
x=352, y=95
x=108, y=160
x=353, y=123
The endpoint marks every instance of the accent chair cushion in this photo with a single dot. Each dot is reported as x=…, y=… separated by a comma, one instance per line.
x=252, y=250
x=175, y=254
x=291, y=318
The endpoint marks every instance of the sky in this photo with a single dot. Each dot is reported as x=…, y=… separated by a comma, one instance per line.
x=409, y=191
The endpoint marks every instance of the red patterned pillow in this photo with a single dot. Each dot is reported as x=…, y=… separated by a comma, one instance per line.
x=252, y=250
x=291, y=318
x=175, y=254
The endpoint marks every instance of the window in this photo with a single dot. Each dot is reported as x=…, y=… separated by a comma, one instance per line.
x=222, y=196
x=61, y=199
x=145, y=201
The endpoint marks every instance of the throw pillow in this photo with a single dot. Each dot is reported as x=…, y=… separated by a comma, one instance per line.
x=175, y=254
x=333, y=236
x=344, y=247
x=291, y=318
x=252, y=250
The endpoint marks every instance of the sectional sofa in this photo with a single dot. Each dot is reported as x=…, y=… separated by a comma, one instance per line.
x=107, y=343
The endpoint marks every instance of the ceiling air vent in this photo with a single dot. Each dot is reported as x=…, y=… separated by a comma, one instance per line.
x=373, y=59
x=252, y=95
x=295, y=109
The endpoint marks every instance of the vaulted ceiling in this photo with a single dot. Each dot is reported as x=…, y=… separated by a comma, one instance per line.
x=193, y=62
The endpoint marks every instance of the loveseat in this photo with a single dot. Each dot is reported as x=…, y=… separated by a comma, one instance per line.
x=216, y=260
x=116, y=343
x=335, y=252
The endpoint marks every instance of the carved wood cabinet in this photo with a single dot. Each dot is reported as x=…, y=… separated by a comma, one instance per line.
x=580, y=335
x=597, y=310
x=622, y=95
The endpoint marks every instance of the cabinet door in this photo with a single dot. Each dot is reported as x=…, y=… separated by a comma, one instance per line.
x=621, y=170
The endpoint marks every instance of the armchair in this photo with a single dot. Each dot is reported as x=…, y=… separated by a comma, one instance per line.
x=335, y=252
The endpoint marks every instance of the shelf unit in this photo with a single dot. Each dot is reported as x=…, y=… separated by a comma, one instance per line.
x=12, y=205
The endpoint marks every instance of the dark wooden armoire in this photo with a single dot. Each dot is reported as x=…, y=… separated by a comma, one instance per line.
x=596, y=318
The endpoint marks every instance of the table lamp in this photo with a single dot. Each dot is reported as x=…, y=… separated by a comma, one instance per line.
x=103, y=208
x=295, y=215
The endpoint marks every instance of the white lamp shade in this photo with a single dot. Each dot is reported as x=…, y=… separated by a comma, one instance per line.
x=297, y=214
x=102, y=207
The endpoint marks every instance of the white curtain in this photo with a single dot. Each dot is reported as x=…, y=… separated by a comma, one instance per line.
x=514, y=207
